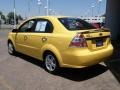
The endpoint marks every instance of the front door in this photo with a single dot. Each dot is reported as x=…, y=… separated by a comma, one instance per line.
x=23, y=36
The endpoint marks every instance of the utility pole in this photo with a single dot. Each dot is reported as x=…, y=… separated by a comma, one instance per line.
x=0, y=21
x=92, y=10
x=45, y=10
x=47, y=7
x=39, y=5
x=53, y=12
x=99, y=7
x=50, y=11
x=14, y=14
x=28, y=8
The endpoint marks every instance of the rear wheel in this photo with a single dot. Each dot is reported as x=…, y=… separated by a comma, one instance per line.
x=11, y=49
x=51, y=63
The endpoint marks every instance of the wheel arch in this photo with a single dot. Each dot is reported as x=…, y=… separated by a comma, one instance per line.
x=9, y=40
x=52, y=49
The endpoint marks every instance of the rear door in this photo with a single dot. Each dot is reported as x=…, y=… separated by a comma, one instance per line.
x=39, y=37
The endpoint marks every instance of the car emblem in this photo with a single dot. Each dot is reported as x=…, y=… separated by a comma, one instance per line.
x=100, y=34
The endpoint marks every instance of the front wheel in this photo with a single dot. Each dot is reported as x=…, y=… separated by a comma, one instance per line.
x=50, y=62
x=11, y=49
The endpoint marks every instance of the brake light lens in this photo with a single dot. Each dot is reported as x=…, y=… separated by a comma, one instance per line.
x=78, y=41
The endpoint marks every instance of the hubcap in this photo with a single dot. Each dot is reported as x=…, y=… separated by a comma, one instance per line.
x=50, y=63
x=10, y=48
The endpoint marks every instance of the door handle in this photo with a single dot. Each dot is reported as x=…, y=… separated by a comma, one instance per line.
x=44, y=39
x=25, y=37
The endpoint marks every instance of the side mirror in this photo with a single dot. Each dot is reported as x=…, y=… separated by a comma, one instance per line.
x=14, y=30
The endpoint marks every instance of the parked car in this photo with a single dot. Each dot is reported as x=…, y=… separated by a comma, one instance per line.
x=61, y=41
x=97, y=25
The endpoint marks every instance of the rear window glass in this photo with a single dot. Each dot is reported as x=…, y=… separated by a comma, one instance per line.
x=75, y=24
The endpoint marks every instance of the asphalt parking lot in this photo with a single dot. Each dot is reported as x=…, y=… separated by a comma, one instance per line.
x=25, y=73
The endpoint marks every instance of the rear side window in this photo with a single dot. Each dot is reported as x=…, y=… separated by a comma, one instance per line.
x=41, y=25
x=44, y=26
x=75, y=24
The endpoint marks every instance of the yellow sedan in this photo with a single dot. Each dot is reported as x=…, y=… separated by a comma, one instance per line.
x=61, y=42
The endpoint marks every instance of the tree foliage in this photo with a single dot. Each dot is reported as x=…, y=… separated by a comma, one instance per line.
x=10, y=17
x=2, y=16
x=19, y=17
x=0, y=12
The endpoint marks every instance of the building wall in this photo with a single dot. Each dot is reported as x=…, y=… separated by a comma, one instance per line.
x=93, y=19
x=113, y=18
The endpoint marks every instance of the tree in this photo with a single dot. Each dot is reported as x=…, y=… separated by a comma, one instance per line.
x=2, y=16
x=11, y=17
x=0, y=12
x=19, y=17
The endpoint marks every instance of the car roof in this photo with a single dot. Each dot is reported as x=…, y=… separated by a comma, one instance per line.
x=45, y=17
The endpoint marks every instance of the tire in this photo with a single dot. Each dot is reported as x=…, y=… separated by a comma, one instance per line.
x=50, y=63
x=11, y=49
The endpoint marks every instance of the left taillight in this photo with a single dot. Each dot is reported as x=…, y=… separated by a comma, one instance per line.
x=78, y=41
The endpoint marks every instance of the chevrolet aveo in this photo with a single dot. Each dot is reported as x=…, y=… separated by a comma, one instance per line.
x=61, y=42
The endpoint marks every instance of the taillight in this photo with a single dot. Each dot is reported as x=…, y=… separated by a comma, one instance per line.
x=78, y=41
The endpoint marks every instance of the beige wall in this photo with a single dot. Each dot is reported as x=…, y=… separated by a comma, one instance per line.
x=113, y=18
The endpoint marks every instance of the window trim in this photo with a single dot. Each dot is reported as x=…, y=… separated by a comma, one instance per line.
x=25, y=23
x=41, y=19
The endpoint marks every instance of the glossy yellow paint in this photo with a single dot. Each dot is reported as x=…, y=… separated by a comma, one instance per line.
x=58, y=43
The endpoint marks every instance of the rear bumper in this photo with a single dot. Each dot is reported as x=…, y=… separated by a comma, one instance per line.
x=84, y=58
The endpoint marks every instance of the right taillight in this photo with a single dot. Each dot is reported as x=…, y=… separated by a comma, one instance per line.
x=78, y=41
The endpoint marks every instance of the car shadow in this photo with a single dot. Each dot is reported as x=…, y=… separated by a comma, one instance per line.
x=83, y=73
x=69, y=73
x=30, y=59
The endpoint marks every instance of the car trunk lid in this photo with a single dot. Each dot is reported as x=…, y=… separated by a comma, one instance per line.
x=96, y=39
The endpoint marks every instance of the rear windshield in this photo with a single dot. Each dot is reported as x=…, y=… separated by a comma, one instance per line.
x=75, y=24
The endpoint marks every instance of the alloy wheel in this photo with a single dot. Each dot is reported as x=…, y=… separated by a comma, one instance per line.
x=50, y=63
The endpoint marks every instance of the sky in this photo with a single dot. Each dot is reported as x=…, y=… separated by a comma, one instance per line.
x=75, y=8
